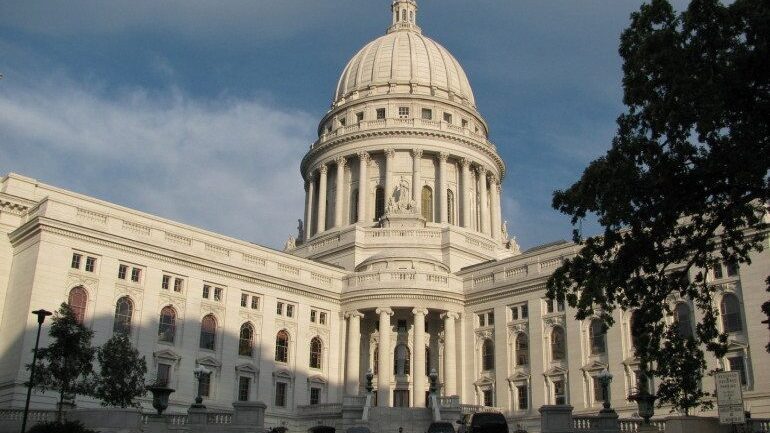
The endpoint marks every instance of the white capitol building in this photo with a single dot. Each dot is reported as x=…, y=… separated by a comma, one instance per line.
x=402, y=266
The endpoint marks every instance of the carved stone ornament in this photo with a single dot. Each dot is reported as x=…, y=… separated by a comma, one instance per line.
x=323, y=332
x=554, y=321
x=254, y=318
x=341, y=161
x=516, y=328
x=285, y=324
x=401, y=202
x=178, y=304
x=483, y=334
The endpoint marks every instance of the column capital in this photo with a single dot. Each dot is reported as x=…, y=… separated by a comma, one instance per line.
x=323, y=169
x=364, y=156
x=417, y=153
x=492, y=178
x=449, y=315
x=384, y=310
x=480, y=170
x=420, y=310
x=465, y=162
x=390, y=152
x=442, y=156
x=340, y=161
x=353, y=313
x=310, y=177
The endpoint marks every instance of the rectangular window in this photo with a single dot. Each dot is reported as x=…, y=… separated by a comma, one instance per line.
x=165, y=282
x=732, y=269
x=380, y=113
x=524, y=311
x=522, y=396
x=204, y=385
x=122, y=271
x=279, y=308
x=737, y=364
x=280, y=394
x=360, y=116
x=136, y=274
x=218, y=293
x=289, y=310
x=427, y=114
x=447, y=117
x=254, y=303
x=322, y=318
x=482, y=320
x=489, y=399
x=598, y=391
x=718, y=271
x=560, y=305
x=465, y=123
x=312, y=315
x=76, y=260
x=558, y=393
x=178, y=285
x=244, y=300
x=342, y=121
x=515, y=313
x=548, y=306
x=90, y=264
x=403, y=112
x=163, y=374
x=244, y=383
x=490, y=319
x=315, y=395
x=206, y=291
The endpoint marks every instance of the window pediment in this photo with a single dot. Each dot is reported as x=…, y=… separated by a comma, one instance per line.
x=283, y=374
x=519, y=376
x=317, y=378
x=209, y=361
x=556, y=370
x=167, y=355
x=247, y=367
x=594, y=366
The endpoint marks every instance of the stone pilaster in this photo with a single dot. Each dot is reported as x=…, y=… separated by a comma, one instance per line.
x=339, y=197
x=482, y=172
x=363, y=185
x=383, y=367
x=390, y=154
x=465, y=201
x=416, y=178
x=321, y=223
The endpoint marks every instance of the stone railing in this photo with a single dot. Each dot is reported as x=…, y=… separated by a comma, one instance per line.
x=473, y=408
x=632, y=424
x=449, y=402
x=760, y=425
x=401, y=234
x=436, y=280
x=354, y=400
x=219, y=418
x=171, y=418
x=320, y=409
x=34, y=415
x=583, y=423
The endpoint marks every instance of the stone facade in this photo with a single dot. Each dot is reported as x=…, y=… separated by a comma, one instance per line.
x=403, y=265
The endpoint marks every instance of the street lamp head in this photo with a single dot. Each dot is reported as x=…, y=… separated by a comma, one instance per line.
x=41, y=315
x=605, y=375
x=200, y=370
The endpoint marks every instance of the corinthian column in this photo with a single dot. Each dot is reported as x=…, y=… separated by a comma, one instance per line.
x=321, y=223
x=363, y=185
x=416, y=178
x=450, y=350
x=465, y=203
x=418, y=379
x=383, y=370
x=309, y=191
x=484, y=199
x=496, y=224
x=442, y=204
x=352, y=374
x=389, y=155
x=339, y=197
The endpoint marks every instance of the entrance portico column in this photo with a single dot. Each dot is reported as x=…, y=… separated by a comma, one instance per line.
x=340, y=191
x=418, y=379
x=383, y=370
x=321, y=223
x=450, y=363
x=353, y=353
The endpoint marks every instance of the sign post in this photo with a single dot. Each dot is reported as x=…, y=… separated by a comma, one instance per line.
x=730, y=398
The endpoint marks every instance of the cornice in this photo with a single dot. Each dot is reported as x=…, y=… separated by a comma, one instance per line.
x=42, y=224
x=368, y=296
x=496, y=293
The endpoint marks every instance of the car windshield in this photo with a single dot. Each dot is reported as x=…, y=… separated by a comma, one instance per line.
x=443, y=427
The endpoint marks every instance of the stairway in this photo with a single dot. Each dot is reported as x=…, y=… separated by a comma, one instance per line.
x=389, y=419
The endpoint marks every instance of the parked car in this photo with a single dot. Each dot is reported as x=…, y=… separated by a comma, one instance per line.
x=483, y=422
x=441, y=427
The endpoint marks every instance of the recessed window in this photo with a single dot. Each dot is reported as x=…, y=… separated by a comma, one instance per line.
x=90, y=264
x=178, y=285
x=380, y=113
x=522, y=395
x=489, y=398
x=448, y=117
x=427, y=114
x=76, y=259
x=289, y=310
x=519, y=312
x=403, y=112
x=122, y=272
x=486, y=319
x=165, y=283
x=208, y=332
x=244, y=383
x=737, y=364
x=322, y=318
x=163, y=374
x=124, y=309
x=244, y=300
x=342, y=121
x=522, y=349
x=218, y=294
x=316, y=352
x=315, y=395
x=246, y=340
x=282, y=346
x=559, y=396
x=204, y=385
x=598, y=390
x=465, y=123
x=482, y=320
x=280, y=394
x=206, y=291
x=167, y=325
x=136, y=274
x=313, y=314
x=254, y=302
x=731, y=313
x=279, y=308
x=360, y=116
x=598, y=336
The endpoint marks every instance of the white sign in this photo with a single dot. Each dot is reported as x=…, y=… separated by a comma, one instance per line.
x=730, y=397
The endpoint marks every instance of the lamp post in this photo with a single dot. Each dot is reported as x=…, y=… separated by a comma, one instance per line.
x=41, y=315
x=369, y=377
x=199, y=372
x=605, y=377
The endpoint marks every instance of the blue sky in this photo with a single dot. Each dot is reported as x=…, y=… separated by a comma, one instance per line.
x=200, y=111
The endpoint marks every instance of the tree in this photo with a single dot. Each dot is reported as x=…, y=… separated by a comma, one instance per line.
x=684, y=186
x=66, y=365
x=121, y=373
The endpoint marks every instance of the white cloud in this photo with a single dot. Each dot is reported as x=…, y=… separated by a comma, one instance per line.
x=231, y=166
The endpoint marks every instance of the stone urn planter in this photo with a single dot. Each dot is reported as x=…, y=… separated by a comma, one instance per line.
x=160, y=394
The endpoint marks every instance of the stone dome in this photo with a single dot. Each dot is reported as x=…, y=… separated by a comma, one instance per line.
x=404, y=57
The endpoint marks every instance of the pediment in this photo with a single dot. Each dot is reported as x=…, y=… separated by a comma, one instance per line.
x=594, y=365
x=247, y=367
x=735, y=345
x=166, y=354
x=519, y=376
x=209, y=361
x=283, y=373
x=484, y=381
x=556, y=370
x=317, y=378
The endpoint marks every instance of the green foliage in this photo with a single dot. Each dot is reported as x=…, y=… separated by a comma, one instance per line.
x=121, y=373
x=684, y=186
x=66, y=365
x=60, y=427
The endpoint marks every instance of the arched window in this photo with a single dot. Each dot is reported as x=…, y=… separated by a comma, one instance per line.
x=411, y=16
x=77, y=301
x=354, y=206
x=403, y=14
x=557, y=344
x=401, y=360
x=598, y=337
x=379, y=203
x=488, y=355
x=124, y=309
x=522, y=349
x=208, y=332
x=167, y=325
x=282, y=346
x=450, y=204
x=682, y=318
x=427, y=203
x=316, y=352
x=246, y=340
x=731, y=313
